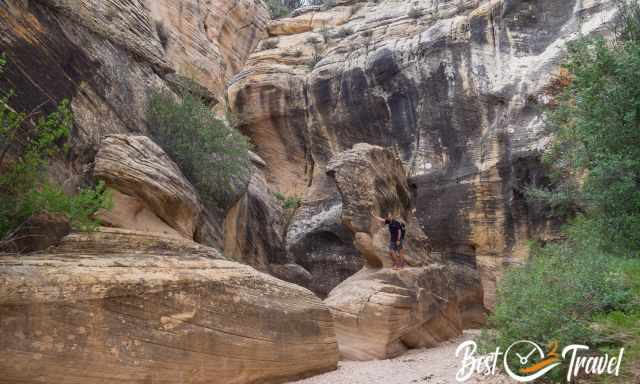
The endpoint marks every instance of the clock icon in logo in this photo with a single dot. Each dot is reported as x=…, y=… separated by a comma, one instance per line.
x=531, y=359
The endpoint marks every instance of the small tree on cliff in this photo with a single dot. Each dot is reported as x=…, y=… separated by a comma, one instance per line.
x=210, y=153
x=27, y=142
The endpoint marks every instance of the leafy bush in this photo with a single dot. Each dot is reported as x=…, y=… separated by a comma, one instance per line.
x=556, y=295
x=26, y=145
x=288, y=202
x=595, y=155
x=583, y=289
x=211, y=154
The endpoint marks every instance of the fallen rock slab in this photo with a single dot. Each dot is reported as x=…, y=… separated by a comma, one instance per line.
x=381, y=313
x=119, y=306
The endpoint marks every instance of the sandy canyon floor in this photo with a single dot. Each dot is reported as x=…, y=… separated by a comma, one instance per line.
x=423, y=366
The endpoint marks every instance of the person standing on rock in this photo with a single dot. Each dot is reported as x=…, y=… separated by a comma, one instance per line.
x=396, y=236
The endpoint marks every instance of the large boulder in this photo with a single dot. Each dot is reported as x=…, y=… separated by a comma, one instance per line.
x=133, y=307
x=380, y=312
x=146, y=178
x=456, y=88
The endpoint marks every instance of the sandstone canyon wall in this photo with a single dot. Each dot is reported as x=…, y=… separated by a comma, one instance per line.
x=455, y=88
x=106, y=57
x=389, y=106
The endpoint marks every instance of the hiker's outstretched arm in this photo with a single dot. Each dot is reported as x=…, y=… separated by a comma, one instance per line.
x=380, y=219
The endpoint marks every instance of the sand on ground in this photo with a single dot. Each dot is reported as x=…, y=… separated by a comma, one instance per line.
x=437, y=365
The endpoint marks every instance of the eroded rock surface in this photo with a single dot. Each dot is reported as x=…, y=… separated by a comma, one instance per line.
x=106, y=57
x=380, y=312
x=139, y=169
x=454, y=87
x=132, y=307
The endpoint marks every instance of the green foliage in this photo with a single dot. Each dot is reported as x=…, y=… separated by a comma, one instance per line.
x=556, y=295
x=25, y=148
x=211, y=154
x=585, y=289
x=288, y=202
x=595, y=155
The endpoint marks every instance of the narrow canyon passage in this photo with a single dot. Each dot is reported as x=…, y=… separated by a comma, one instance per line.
x=421, y=366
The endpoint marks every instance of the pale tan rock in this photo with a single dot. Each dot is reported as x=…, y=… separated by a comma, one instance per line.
x=132, y=213
x=210, y=41
x=456, y=92
x=309, y=21
x=381, y=312
x=372, y=179
x=130, y=307
x=136, y=166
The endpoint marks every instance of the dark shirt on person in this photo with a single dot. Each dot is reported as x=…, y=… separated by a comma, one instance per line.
x=396, y=229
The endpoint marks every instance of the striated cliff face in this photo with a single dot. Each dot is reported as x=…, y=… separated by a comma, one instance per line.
x=454, y=87
x=106, y=56
x=379, y=312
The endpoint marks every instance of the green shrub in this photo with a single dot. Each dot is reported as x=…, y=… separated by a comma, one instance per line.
x=556, y=295
x=566, y=293
x=26, y=144
x=594, y=159
x=585, y=289
x=288, y=202
x=211, y=154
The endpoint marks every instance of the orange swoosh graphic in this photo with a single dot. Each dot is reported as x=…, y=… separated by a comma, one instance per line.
x=553, y=358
